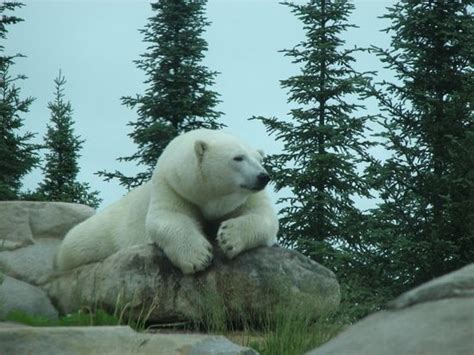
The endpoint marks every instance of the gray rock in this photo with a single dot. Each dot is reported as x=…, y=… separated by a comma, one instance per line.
x=18, y=295
x=436, y=318
x=23, y=221
x=111, y=340
x=142, y=280
x=30, y=263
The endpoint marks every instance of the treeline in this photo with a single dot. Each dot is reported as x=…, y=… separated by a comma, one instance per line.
x=423, y=224
x=18, y=155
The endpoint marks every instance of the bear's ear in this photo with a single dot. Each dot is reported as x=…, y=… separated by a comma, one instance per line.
x=200, y=147
x=261, y=152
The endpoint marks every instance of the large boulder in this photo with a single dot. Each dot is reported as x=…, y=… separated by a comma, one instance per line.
x=21, y=222
x=20, y=296
x=32, y=262
x=436, y=318
x=141, y=279
x=110, y=340
x=456, y=284
x=30, y=233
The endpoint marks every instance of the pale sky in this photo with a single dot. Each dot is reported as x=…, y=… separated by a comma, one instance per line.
x=94, y=44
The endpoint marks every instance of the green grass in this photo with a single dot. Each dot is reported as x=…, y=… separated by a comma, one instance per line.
x=287, y=333
x=284, y=331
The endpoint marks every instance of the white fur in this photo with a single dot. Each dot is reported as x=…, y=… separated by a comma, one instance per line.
x=196, y=180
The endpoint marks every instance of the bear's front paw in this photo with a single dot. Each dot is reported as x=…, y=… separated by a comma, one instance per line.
x=229, y=238
x=192, y=257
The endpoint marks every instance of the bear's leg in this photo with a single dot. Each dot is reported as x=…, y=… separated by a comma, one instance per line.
x=255, y=224
x=181, y=239
x=236, y=235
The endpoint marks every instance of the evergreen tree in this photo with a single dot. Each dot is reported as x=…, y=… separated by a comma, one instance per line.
x=61, y=167
x=323, y=141
x=425, y=226
x=18, y=156
x=177, y=98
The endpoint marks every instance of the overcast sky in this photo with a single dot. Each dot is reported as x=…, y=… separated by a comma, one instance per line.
x=94, y=44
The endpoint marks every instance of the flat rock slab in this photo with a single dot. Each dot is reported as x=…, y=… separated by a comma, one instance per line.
x=9, y=325
x=23, y=221
x=143, y=279
x=436, y=318
x=111, y=340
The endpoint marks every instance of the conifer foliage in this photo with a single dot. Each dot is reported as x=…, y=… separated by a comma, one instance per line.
x=61, y=162
x=425, y=226
x=18, y=156
x=324, y=137
x=177, y=98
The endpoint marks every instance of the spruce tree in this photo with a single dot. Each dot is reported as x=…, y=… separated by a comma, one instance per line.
x=61, y=162
x=177, y=98
x=323, y=139
x=425, y=226
x=18, y=156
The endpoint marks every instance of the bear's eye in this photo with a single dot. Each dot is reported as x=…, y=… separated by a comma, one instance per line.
x=239, y=158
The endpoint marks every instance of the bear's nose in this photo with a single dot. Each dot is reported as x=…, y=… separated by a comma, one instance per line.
x=263, y=179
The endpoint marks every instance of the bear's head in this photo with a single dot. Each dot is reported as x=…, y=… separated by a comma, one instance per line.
x=231, y=167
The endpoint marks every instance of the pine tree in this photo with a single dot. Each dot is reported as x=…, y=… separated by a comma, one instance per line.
x=425, y=226
x=18, y=156
x=61, y=166
x=323, y=141
x=177, y=98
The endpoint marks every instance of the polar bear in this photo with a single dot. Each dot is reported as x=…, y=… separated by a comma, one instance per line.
x=203, y=176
